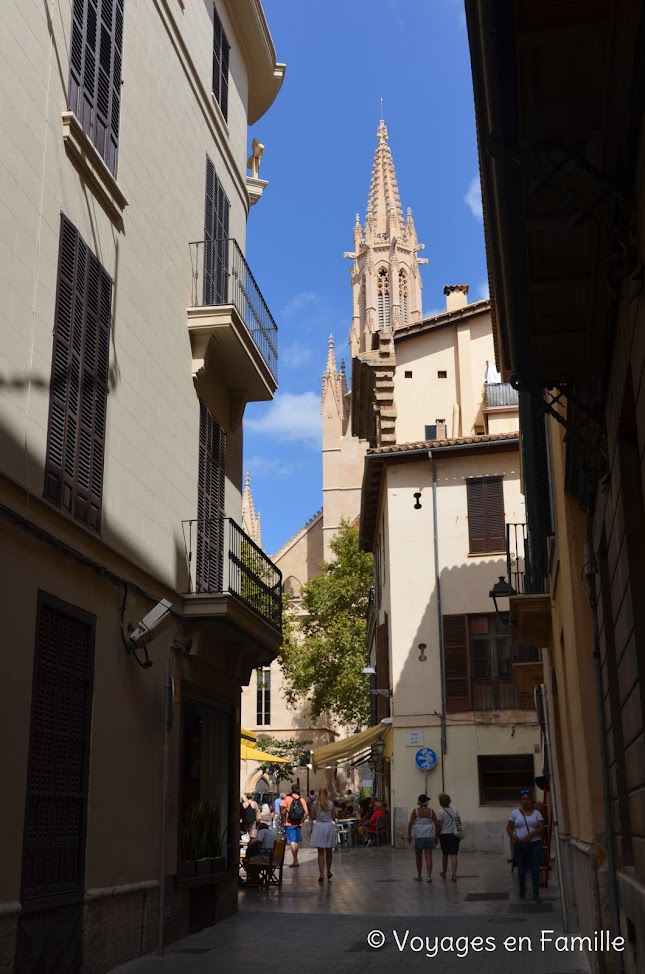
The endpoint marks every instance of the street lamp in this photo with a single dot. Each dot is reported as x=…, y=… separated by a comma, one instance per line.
x=370, y=671
x=502, y=590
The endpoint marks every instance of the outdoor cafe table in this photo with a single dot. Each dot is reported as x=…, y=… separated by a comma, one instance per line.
x=350, y=824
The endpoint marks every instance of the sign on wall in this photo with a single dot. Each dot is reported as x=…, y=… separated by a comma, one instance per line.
x=414, y=739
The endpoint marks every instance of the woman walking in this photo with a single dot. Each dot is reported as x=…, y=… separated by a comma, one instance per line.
x=525, y=826
x=448, y=815
x=323, y=833
x=423, y=827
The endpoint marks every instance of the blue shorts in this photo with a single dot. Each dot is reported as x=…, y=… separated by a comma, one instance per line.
x=293, y=833
x=424, y=843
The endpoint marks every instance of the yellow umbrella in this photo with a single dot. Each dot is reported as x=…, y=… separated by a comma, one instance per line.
x=249, y=753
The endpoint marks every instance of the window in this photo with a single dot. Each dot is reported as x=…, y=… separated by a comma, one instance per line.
x=442, y=374
x=431, y=432
x=205, y=776
x=408, y=374
x=478, y=656
x=95, y=56
x=403, y=295
x=221, y=47
x=79, y=381
x=210, y=503
x=501, y=776
x=383, y=287
x=264, y=695
x=53, y=858
x=486, y=526
x=216, y=217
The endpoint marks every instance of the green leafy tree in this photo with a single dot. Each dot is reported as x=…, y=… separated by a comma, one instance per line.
x=293, y=749
x=324, y=650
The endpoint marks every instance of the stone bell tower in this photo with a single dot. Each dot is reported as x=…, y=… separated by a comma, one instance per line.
x=386, y=291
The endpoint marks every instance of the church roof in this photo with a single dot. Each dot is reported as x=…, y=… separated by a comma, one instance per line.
x=384, y=202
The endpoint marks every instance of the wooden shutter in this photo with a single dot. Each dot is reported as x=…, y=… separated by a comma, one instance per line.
x=382, y=668
x=53, y=860
x=456, y=664
x=221, y=49
x=96, y=52
x=476, y=516
x=494, y=505
x=486, y=525
x=210, y=503
x=216, y=230
x=79, y=383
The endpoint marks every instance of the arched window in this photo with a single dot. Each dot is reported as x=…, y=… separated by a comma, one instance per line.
x=383, y=298
x=403, y=295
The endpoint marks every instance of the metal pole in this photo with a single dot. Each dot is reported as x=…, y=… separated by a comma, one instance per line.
x=435, y=521
x=167, y=724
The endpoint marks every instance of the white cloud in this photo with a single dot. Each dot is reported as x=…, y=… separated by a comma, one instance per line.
x=292, y=417
x=473, y=198
x=298, y=302
x=433, y=312
x=296, y=355
x=265, y=466
x=483, y=291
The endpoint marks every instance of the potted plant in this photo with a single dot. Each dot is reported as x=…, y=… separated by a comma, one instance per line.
x=199, y=839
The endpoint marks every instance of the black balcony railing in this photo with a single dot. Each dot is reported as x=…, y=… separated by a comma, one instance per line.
x=221, y=275
x=526, y=561
x=222, y=558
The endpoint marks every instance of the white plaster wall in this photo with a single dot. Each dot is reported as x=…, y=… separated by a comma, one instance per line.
x=152, y=418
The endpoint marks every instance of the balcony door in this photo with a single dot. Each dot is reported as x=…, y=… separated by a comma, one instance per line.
x=216, y=220
x=210, y=503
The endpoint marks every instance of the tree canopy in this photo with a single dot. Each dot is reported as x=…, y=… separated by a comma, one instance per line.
x=324, y=651
x=293, y=749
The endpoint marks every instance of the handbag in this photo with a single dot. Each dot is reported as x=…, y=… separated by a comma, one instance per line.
x=459, y=829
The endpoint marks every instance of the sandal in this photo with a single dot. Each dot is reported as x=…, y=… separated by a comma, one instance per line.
x=453, y=879
x=417, y=879
x=329, y=875
x=429, y=880
x=443, y=875
x=321, y=879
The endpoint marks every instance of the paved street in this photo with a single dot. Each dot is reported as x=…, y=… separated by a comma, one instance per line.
x=322, y=928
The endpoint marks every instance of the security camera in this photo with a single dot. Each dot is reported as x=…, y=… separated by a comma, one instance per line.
x=139, y=636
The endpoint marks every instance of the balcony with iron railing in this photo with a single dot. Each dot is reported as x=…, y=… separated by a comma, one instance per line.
x=530, y=605
x=233, y=336
x=230, y=578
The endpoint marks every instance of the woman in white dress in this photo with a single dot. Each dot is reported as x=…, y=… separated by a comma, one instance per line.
x=323, y=833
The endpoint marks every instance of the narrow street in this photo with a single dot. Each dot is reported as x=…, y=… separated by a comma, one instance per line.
x=319, y=928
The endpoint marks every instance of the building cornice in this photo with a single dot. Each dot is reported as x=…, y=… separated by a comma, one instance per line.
x=265, y=73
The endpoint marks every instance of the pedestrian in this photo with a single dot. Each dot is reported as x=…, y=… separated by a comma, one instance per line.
x=277, y=812
x=266, y=815
x=259, y=849
x=311, y=798
x=295, y=813
x=423, y=827
x=250, y=813
x=525, y=826
x=323, y=834
x=449, y=837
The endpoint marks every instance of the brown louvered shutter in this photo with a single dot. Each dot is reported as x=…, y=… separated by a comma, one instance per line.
x=79, y=383
x=53, y=858
x=476, y=516
x=221, y=49
x=494, y=505
x=96, y=53
x=210, y=503
x=216, y=228
x=382, y=669
x=456, y=665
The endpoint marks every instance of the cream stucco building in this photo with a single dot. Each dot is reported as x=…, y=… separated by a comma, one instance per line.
x=128, y=356
x=441, y=483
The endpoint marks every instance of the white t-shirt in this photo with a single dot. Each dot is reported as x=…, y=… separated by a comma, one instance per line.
x=447, y=818
x=520, y=821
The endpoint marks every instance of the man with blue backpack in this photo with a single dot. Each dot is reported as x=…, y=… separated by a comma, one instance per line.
x=294, y=812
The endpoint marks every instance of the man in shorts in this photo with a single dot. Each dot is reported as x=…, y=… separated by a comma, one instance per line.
x=293, y=825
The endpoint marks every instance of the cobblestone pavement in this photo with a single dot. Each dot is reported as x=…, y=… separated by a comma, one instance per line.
x=323, y=928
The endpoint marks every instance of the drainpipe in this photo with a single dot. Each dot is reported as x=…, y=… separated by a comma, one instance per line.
x=541, y=689
x=168, y=693
x=590, y=569
x=437, y=582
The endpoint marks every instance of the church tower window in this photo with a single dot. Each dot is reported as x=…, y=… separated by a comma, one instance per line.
x=383, y=298
x=403, y=295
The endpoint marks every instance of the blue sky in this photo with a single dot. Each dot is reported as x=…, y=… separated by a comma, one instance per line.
x=320, y=138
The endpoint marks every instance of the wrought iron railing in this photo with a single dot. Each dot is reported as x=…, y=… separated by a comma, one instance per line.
x=222, y=558
x=221, y=275
x=526, y=560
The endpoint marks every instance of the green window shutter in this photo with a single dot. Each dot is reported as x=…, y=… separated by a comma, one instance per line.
x=456, y=663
